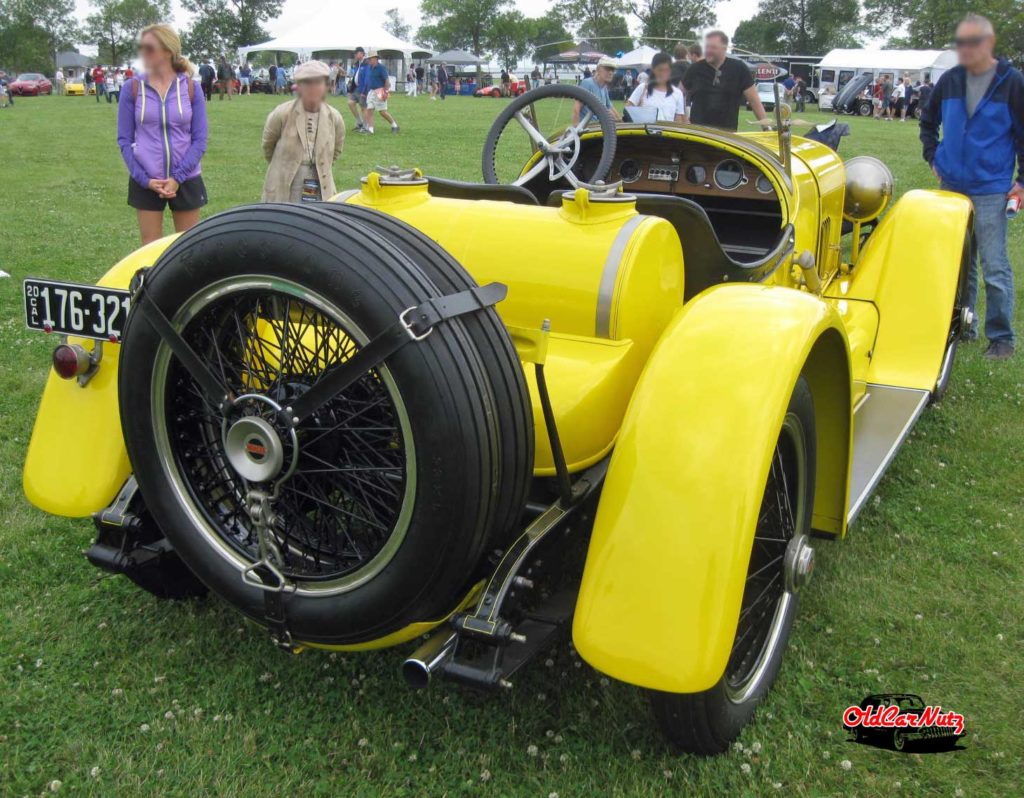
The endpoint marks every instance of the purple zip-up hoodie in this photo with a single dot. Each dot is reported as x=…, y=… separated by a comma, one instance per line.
x=161, y=138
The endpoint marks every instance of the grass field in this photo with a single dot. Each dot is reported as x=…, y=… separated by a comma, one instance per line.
x=112, y=693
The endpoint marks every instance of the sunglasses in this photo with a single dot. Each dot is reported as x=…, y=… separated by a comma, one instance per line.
x=969, y=41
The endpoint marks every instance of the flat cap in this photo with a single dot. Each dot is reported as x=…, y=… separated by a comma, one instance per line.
x=311, y=70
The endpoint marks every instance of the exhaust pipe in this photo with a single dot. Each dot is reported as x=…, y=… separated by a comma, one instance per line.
x=426, y=659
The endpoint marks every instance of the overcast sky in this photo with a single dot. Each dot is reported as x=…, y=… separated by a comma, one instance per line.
x=730, y=13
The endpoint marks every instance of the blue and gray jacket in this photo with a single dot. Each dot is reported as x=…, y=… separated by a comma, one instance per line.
x=977, y=153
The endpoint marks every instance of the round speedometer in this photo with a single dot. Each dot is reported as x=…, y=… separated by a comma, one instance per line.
x=630, y=171
x=764, y=185
x=728, y=174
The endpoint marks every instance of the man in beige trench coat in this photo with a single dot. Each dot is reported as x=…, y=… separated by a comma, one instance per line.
x=302, y=139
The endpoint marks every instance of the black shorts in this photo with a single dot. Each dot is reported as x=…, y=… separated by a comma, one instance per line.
x=191, y=196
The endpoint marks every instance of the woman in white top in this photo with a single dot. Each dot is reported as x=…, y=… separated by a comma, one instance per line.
x=659, y=93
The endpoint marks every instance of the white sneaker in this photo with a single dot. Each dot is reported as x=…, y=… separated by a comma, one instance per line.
x=369, y=130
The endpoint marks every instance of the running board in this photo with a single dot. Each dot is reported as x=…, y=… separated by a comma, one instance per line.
x=881, y=422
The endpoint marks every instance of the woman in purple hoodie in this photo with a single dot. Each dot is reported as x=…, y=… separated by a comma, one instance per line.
x=161, y=130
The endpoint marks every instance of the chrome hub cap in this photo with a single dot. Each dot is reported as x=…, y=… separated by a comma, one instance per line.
x=254, y=449
x=799, y=563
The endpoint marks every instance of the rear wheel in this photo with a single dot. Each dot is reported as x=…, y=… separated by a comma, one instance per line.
x=391, y=493
x=780, y=562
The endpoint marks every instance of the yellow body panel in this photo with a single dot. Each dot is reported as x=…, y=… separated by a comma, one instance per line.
x=608, y=279
x=908, y=269
x=672, y=538
x=76, y=460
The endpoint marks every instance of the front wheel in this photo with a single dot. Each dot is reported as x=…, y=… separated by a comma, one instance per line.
x=781, y=560
x=865, y=109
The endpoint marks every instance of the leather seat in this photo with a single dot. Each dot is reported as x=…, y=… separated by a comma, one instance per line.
x=458, y=189
x=706, y=263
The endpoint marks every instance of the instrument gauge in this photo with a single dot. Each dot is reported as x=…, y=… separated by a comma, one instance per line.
x=729, y=174
x=630, y=171
x=697, y=175
x=764, y=185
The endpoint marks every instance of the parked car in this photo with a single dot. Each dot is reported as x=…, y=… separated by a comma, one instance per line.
x=852, y=99
x=76, y=87
x=30, y=84
x=516, y=88
x=632, y=414
x=766, y=94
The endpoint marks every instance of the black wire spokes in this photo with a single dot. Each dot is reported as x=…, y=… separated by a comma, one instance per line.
x=766, y=582
x=340, y=506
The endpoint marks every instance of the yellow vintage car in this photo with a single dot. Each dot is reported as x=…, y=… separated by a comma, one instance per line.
x=622, y=392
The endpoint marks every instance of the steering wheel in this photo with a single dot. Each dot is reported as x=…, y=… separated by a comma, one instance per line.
x=560, y=148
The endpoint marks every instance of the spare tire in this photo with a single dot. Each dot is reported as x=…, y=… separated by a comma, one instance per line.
x=398, y=487
x=503, y=368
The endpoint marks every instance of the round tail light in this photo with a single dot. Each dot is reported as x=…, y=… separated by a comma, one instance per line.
x=70, y=361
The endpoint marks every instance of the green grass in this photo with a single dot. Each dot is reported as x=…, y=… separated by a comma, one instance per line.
x=924, y=595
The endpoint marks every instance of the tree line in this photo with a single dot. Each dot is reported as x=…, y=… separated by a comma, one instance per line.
x=33, y=31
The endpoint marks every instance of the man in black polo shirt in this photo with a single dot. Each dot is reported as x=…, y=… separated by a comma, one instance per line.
x=716, y=86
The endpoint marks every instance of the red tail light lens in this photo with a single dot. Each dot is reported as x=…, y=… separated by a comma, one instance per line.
x=70, y=360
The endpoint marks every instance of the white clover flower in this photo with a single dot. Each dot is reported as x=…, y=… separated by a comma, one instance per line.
x=826, y=754
x=55, y=785
x=999, y=637
x=919, y=617
x=413, y=757
x=39, y=664
x=266, y=677
x=563, y=758
x=94, y=772
x=549, y=733
x=531, y=750
x=102, y=625
x=776, y=785
x=557, y=738
x=363, y=742
x=485, y=775
x=635, y=753
x=755, y=747
x=552, y=795
x=846, y=764
x=745, y=769
x=117, y=692
x=958, y=792
x=737, y=746
x=668, y=774
x=897, y=784
x=168, y=715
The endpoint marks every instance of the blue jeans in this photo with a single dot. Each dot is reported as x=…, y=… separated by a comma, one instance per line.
x=990, y=247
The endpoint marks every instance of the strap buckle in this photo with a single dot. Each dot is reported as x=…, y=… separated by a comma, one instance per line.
x=403, y=317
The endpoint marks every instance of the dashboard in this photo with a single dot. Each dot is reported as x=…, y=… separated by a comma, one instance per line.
x=687, y=168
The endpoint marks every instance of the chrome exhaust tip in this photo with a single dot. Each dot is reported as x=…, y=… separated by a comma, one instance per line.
x=428, y=658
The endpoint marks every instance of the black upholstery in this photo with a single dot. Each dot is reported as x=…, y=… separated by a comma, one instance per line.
x=705, y=261
x=457, y=189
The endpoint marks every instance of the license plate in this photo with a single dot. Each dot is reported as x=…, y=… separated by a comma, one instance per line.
x=86, y=311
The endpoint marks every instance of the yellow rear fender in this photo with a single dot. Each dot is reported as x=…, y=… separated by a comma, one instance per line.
x=668, y=556
x=909, y=269
x=76, y=460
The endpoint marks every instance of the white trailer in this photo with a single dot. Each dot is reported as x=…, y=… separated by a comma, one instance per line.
x=838, y=67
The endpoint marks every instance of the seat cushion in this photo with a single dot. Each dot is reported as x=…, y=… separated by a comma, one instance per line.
x=457, y=189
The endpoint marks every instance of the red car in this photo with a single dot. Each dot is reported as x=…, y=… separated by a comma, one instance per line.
x=31, y=84
x=515, y=88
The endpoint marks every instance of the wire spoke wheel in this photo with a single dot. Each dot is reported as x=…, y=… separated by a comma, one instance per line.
x=781, y=561
x=349, y=464
x=767, y=593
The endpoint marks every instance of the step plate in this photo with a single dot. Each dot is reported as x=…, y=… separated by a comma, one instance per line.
x=881, y=422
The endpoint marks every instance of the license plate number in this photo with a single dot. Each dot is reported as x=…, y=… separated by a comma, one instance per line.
x=86, y=311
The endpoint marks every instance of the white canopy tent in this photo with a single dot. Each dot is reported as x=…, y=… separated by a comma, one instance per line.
x=897, y=62
x=640, y=58
x=336, y=39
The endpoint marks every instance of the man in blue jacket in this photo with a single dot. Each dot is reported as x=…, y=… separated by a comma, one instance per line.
x=979, y=105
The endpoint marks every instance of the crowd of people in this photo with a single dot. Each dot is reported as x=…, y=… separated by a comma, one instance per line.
x=970, y=129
